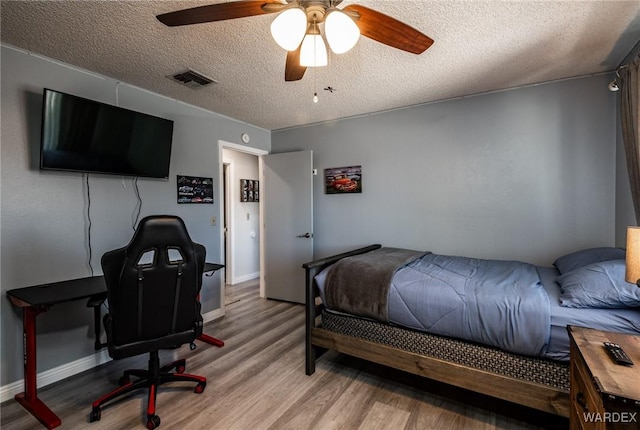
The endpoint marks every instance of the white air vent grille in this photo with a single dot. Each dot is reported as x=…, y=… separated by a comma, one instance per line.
x=192, y=79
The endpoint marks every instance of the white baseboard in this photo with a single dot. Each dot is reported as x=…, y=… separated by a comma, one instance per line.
x=56, y=374
x=59, y=373
x=212, y=315
x=244, y=278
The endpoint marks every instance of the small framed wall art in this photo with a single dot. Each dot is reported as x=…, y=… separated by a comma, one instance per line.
x=249, y=190
x=193, y=189
x=343, y=180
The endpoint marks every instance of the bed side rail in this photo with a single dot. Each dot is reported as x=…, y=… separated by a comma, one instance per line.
x=312, y=310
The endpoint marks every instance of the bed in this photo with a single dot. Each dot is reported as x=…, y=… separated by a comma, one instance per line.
x=447, y=317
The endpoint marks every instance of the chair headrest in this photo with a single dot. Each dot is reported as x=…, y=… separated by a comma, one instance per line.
x=160, y=232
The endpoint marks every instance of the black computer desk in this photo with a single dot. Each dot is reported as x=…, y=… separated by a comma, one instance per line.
x=38, y=299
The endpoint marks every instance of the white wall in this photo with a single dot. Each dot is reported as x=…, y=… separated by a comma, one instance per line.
x=43, y=221
x=525, y=174
x=245, y=219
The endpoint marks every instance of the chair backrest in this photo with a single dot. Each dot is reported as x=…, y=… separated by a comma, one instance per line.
x=153, y=285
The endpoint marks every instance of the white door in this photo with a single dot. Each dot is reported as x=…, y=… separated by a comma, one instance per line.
x=287, y=196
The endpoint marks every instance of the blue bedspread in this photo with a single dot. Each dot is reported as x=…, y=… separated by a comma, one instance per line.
x=494, y=302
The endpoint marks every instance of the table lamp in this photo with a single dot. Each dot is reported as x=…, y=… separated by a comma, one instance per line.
x=632, y=262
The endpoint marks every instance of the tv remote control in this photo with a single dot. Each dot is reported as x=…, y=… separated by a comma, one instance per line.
x=617, y=354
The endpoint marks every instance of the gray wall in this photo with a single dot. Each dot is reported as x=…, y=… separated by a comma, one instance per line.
x=525, y=174
x=43, y=222
x=625, y=215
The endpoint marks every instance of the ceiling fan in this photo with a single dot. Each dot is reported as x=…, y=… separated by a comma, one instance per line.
x=296, y=28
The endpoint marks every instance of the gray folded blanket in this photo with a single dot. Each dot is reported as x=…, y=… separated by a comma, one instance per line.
x=359, y=285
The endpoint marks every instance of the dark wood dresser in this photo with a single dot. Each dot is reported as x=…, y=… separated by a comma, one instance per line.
x=604, y=395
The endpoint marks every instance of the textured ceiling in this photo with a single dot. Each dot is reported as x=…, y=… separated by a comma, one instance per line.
x=479, y=46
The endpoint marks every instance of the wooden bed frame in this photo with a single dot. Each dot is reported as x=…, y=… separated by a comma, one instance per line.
x=318, y=340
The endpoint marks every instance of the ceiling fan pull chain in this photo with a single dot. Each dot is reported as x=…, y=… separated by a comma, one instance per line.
x=315, y=82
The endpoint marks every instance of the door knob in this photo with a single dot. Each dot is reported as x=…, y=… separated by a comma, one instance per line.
x=306, y=235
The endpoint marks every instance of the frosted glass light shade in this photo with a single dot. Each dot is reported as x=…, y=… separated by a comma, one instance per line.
x=341, y=31
x=633, y=255
x=313, y=52
x=289, y=28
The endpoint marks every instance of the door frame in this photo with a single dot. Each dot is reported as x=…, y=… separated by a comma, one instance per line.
x=222, y=144
x=227, y=222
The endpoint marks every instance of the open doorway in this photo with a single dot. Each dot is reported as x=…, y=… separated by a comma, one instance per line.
x=241, y=223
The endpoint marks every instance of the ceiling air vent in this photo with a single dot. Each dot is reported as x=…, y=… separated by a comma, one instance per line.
x=191, y=79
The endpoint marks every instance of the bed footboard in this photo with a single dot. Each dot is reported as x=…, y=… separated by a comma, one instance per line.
x=313, y=308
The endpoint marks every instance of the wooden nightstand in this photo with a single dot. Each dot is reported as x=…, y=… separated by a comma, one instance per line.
x=604, y=395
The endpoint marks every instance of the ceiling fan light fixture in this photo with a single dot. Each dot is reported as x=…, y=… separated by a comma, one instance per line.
x=313, y=52
x=341, y=31
x=289, y=28
x=296, y=22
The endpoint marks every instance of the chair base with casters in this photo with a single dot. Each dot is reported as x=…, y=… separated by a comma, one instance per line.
x=149, y=378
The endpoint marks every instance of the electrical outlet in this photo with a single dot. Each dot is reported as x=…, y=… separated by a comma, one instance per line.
x=213, y=220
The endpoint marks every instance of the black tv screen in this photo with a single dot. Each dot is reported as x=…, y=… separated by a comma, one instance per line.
x=88, y=136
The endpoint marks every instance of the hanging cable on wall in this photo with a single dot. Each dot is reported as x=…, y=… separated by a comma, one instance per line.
x=138, y=205
x=89, y=222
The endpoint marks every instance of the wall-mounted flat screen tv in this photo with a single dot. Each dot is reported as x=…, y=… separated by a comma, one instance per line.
x=88, y=136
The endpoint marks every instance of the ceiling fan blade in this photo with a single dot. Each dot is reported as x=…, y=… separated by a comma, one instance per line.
x=218, y=12
x=293, y=71
x=390, y=31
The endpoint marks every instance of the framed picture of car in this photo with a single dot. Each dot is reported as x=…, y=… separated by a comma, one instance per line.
x=249, y=190
x=343, y=180
x=193, y=189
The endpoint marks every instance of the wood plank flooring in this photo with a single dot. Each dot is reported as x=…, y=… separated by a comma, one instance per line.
x=257, y=381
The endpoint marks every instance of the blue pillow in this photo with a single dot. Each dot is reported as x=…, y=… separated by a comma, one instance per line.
x=585, y=257
x=599, y=285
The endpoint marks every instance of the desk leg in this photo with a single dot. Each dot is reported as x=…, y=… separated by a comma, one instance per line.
x=205, y=337
x=29, y=399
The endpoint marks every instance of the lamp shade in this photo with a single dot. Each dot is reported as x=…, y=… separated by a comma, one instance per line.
x=341, y=31
x=633, y=255
x=289, y=28
x=313, y=52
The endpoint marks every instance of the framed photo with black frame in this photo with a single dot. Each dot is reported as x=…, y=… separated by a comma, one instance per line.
x=194, y=189
x=343, y=180
x=249, y=190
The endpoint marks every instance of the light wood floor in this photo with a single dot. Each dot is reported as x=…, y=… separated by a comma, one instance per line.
x=257, y=381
